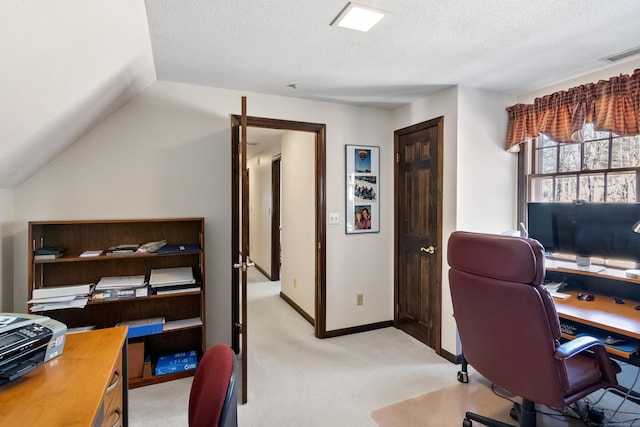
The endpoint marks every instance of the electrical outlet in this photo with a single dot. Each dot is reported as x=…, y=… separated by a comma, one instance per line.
x=360, y=299
x=334, y=218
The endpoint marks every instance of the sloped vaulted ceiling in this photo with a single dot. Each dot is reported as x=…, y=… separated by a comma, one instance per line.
x=65, y=66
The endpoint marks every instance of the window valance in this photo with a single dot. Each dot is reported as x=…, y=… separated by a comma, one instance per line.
x=611, y=105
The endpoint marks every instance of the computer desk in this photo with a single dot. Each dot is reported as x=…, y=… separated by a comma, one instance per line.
x=602, y=318
x=85, y=386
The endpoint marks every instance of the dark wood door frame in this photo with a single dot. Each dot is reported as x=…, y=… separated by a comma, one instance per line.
x=275, y=218
x=319, y=129
x=439, y=162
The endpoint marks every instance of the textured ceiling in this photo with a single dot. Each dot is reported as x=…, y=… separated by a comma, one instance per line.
x=420, y=47
x=68, y=64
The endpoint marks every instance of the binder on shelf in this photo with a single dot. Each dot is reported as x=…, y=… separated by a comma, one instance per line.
x=179, y=249
x=171, y=276
x=120, y=282
x=47, y=256
x=48, y=250
x=142, y=327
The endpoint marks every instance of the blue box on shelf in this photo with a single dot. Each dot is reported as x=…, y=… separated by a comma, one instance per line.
x=142, y=327
x=178, y=362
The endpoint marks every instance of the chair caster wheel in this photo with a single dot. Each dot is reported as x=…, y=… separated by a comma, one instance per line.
x=515, y=411
x=463, y=377
x=466, y=422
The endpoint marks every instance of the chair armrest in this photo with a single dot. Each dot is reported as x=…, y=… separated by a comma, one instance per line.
x=573, y=347
x=596, y=347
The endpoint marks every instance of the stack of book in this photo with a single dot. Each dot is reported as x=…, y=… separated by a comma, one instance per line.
x=120, y=287
x=47, y=252
x=173, y=280
x=123, y=249
x=60, y=297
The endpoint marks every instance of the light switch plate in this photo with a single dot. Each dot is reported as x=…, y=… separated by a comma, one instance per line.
x=334, y=218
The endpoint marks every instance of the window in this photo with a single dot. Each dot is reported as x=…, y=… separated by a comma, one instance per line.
x=604, y=167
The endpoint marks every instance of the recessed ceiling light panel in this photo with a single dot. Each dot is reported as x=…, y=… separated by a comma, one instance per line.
x=358, y=17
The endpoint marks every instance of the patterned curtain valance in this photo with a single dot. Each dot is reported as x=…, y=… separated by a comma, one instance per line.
x=611, y=105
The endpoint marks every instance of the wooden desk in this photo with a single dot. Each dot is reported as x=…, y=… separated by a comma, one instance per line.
x=607, y=317
x=72, y=389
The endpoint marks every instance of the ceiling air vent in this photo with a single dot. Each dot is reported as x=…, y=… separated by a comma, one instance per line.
x=621, y=55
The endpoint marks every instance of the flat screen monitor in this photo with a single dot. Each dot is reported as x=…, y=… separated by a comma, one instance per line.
x=586, y=229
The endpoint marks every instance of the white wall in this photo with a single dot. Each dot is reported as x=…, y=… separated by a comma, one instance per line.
x=298, y=202
x=6, y=250
x=260, y=206
x=167, y=153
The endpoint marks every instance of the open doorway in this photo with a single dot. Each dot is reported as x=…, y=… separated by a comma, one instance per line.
x=319, y=217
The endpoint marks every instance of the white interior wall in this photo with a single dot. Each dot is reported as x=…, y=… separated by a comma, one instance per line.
x=487, y=173
x=260, y=207
x=6, y=250
x=167, y=153
x=298, y=203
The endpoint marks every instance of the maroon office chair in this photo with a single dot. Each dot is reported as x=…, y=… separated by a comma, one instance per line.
x=213, y=400
x=509, y=327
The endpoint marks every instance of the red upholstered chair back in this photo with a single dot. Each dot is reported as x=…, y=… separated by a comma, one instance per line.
x=212, y=401
x=507, y=321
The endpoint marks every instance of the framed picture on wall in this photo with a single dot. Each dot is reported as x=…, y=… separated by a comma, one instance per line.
x=362, y=179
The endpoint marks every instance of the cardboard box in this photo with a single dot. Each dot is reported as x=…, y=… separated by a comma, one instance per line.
x=135, y=360
x=178, y=362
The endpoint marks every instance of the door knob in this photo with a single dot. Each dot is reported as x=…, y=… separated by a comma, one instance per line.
x=430, y=250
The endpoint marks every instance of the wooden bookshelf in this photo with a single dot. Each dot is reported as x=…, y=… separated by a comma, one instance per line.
x=71, y=269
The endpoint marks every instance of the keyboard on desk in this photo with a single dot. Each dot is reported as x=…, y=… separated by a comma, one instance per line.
x=568, y=328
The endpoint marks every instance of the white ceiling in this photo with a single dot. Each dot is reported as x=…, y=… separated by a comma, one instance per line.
x=420, y=47
x=66, y=65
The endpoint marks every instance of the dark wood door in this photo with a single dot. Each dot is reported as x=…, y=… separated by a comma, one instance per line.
x=275, y=220
x=418, y=234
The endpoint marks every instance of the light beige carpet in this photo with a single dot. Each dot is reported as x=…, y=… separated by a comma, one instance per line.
x=446, y=407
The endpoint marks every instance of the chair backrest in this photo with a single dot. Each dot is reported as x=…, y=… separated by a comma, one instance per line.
x=508, y=324
x=213, y=400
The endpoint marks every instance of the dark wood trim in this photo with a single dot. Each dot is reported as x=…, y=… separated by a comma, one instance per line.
x=358, y=329
x=297, y=308
x=457, y=359
x=261, y=270
x=522, y=185
x=235, y=233
x=321, y=204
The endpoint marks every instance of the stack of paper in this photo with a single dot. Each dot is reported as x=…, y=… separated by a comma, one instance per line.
x=174, y=276
x=120, y=282
x=60, y=297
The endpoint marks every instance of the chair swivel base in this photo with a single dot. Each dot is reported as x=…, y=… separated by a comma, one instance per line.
x=526, y=414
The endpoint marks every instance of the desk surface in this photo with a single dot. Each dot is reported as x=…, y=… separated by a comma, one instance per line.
x=601, y=313
x=67, y=390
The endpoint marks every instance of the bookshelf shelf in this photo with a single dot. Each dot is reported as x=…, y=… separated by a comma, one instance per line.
x=71, y=269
